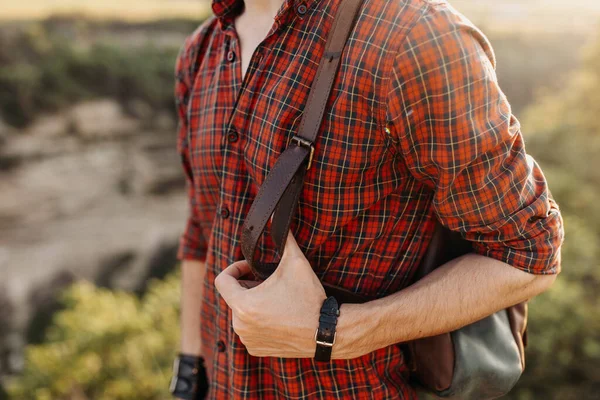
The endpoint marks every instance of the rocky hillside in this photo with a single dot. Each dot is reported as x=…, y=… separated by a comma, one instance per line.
x=90, y=192
x=90, y=182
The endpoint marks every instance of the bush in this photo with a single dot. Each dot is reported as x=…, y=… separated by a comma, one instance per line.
x=106, y=345
x=41, y=70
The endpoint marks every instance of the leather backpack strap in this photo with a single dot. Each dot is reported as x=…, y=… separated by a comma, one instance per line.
x=278, y=195
x=444, y=246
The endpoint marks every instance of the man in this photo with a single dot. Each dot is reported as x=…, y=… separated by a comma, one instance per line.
x=416, y=128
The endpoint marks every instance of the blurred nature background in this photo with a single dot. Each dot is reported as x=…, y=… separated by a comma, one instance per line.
x=92, y=200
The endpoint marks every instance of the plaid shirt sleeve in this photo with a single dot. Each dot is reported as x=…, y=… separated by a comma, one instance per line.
x=457, y=135
x=192, y=243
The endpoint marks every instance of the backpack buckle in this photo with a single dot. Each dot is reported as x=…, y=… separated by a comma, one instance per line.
x=300, y=141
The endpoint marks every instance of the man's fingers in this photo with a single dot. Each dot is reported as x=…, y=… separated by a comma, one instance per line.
x=238, y=269
x=248, y=284
x=227, y=281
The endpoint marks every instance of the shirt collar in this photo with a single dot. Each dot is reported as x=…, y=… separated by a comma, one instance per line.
x=226, y=9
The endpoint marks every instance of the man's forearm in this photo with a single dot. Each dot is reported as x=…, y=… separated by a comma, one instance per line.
x=192, y=283
x=458, y=293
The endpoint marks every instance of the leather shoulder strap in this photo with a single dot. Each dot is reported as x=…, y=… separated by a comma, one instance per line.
x=279, y=193
x=322, y=85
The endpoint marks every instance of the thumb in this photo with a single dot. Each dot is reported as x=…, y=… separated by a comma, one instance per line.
x=227, y=283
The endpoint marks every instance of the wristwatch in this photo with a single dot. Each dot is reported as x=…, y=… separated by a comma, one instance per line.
x=189, y=381
x=325, y=333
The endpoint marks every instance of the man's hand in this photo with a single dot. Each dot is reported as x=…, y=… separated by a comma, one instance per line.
x=279, y=316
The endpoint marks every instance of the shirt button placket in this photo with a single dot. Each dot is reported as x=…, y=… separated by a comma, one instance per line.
x=230, y=159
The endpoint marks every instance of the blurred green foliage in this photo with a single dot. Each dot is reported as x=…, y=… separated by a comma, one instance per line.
x=43, y=69
x=106, y=345
x=563, y=135
x=528, y=62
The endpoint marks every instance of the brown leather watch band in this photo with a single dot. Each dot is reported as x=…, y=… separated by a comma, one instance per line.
x=279, y=193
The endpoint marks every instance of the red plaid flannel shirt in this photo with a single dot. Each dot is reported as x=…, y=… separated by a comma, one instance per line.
x=416, y=127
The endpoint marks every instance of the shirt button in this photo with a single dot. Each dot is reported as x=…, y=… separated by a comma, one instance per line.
x=224, y=212
x=232, y=136
x=221, y=346
x=301, y=9
x=231, y=55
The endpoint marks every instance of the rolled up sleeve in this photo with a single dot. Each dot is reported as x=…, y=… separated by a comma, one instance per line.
x=192, y=243
x=454, y=128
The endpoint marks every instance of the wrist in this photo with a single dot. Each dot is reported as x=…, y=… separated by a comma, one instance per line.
x=191, y=342
x=355, y=329
x=191, y=350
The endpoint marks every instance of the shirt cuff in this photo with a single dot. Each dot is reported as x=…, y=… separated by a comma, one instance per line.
x=539, y=253
x=192, y=244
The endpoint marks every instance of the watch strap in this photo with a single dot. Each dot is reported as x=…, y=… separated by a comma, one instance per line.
x=325, y=334
x=189, y=381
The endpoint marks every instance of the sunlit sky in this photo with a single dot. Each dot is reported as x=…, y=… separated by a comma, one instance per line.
x=544, y=15
x=113, y=9
x=498, y=14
